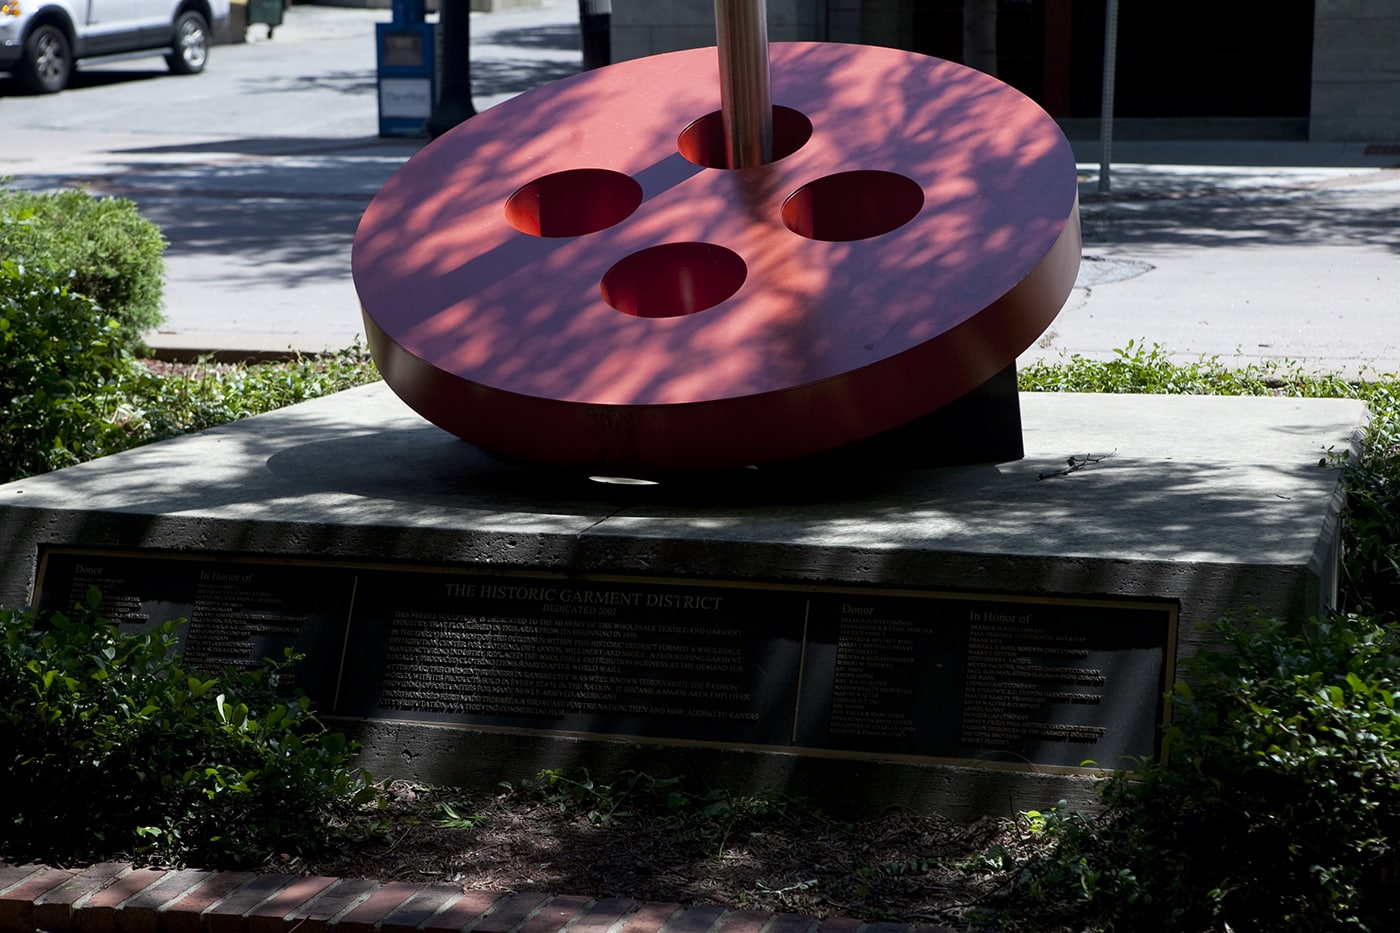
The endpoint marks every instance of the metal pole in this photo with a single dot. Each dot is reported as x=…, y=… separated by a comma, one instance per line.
x=1110, y=67
x=741, y=31
x=454, y=102
x=595, y=30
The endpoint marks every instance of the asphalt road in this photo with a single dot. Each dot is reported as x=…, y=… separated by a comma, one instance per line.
x=259, y=169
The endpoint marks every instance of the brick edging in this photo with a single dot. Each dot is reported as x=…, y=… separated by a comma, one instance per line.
x=115, y=897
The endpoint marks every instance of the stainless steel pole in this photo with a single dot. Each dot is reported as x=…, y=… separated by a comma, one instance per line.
x=1110, y=69
x=741, y=31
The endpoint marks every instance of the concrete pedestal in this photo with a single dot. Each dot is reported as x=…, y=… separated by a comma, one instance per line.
x=1203, y=506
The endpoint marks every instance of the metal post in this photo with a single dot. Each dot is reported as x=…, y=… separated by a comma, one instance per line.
x=595, y=30
x=741, y=31
x=455, y=98
x=1110, y=67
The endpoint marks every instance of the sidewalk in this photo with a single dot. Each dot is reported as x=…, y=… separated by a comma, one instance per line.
x=1249, y=251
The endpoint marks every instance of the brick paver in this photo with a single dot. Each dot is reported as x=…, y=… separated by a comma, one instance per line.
x=17, y=903
x=602, y=915
x=363, y=917
x=98, y=910
x=270, y=916
x=510, y=912
x=744, y=921
x=335, y=900
x=11, y=875
x=648, y=917
x=419, y=909
x=792, y=923
x=839, y=925
x=463, y=913
x=884, y=927
x=227, y=915
x=555, y=914
x=141, y=913
x=183, y=915
x=54, y=908
x=114, y=897
x=695, y=919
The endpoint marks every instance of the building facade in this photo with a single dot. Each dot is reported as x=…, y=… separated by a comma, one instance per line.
x=1326, y=70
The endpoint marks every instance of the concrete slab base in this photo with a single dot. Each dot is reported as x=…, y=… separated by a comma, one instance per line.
x=1215, y=505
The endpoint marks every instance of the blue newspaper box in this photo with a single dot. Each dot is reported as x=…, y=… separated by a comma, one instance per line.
x=408, y=66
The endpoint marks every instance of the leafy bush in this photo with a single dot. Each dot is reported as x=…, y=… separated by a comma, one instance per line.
x=1371, y=520
x=100, y=247
x=1278, y=807
x=61, y=371
x=114, y=747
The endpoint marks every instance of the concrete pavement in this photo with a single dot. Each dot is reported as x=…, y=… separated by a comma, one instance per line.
x=1241, y=250
x=1247, y=251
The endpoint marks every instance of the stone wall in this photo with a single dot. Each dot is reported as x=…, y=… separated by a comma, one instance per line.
x=1356, y=71
x=649, y=27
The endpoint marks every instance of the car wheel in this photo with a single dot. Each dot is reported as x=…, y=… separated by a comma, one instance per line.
x=48, y=60
x=191, y=47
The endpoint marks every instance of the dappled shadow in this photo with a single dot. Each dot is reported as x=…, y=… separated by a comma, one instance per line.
x=495, y=76
x=290, y=202
x=356, y=83
x=85, y=78
x=1189, y=210
x=560, y=36
x=278, y=146
x=360, y=476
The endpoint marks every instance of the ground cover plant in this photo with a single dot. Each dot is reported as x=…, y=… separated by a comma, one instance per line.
x=79, y=397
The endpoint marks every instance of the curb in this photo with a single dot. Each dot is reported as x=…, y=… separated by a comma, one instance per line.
x=115, y=897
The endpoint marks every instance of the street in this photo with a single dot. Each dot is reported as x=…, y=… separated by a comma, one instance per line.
x=259, y=169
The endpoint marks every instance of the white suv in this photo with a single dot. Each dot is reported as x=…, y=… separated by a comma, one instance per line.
x=41, y=40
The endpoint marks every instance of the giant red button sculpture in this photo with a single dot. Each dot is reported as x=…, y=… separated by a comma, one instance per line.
x=574, y=278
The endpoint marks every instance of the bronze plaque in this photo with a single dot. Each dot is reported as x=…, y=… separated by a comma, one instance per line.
x=1004, y=679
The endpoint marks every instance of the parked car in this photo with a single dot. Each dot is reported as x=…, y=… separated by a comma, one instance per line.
x=41, y=41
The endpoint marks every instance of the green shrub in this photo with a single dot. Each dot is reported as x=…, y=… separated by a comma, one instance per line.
x=100, y=247
x=1278, y=807
x=61, y=370
x=1371, y=518
x=115, y=748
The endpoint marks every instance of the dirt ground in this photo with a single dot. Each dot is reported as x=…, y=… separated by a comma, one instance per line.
x=773, y=855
